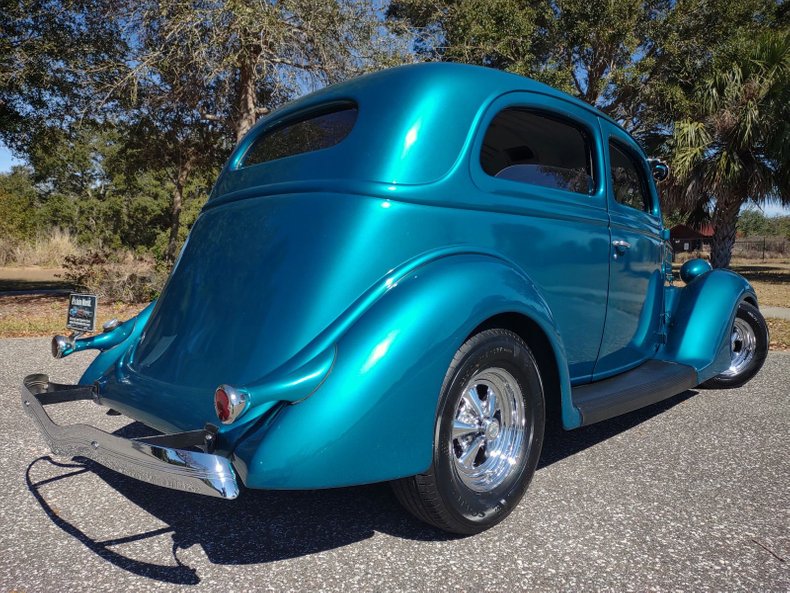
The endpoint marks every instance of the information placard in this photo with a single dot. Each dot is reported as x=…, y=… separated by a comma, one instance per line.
x=82, y=312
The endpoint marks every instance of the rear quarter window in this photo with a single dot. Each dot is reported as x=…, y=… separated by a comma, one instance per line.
x=316, y=132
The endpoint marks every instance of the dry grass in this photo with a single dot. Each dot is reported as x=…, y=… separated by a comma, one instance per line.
x=780, y=334
x=45, y=315
x=48, y=250
x=36, y=315
x=770, y=279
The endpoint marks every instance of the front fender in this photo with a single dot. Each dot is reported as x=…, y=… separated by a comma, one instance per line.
x=700, y=317
x=373, y=418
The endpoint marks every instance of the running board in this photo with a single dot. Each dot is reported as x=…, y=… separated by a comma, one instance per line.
x=651, y=382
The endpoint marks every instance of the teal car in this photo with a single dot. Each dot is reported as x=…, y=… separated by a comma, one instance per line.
x=397, y=279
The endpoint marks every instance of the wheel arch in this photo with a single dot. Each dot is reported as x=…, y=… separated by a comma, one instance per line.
x=700, y=321
x=386, y=380
x=543, y=351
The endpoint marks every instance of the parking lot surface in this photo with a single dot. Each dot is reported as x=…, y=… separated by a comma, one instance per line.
x=692, y=494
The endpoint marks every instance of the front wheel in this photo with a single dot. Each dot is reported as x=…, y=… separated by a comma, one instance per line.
x=748, y=348
x=488, y=437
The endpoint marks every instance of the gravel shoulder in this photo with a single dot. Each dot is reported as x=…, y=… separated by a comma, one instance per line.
x=690, y=494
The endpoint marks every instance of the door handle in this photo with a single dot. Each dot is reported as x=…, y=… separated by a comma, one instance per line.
x=621, y=246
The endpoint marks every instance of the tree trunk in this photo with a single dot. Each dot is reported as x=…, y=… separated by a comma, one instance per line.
x=175, y=209
x=725, y=217
x=246, y=104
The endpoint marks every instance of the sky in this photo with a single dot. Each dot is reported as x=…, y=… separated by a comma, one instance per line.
x=7, y=161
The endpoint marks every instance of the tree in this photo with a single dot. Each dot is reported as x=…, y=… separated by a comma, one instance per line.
x=575, y=45
x=637, y=60
x=753, y=223
x=163, y=130
x=49, y=49
x=738, y=148
x=236, y=60
x=17, y=202
x=175, y=83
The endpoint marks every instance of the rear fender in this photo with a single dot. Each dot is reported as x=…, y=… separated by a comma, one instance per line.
x=700, y=317
x=373, y=417
x=112, y=344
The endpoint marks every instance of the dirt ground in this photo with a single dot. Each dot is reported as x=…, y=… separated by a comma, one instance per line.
x=31, y=278
x=771, y=280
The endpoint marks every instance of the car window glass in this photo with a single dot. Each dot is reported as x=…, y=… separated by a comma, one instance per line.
x=314, y=133
x=628, y=182
x=531, y=147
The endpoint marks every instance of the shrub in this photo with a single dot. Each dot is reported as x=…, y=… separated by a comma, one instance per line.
x=7, y=247
x=123, y=277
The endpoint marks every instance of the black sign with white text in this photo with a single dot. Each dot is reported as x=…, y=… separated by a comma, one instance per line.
x=82, y=312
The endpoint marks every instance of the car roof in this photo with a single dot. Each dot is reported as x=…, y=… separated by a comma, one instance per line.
x=479, y=81
x=413, y=124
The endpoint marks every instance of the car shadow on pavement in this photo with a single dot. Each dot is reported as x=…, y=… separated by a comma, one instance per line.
x=266, y=526
x=559, y=444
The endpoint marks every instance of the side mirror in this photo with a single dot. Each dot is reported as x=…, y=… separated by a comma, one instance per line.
x=659, y=169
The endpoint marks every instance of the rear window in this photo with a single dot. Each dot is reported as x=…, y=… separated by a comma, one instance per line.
x=539, y=149
x=305, y=135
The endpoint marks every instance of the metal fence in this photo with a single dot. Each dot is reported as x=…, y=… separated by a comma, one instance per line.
x=760, y=248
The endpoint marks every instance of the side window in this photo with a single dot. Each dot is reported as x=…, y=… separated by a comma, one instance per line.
x=540, y=149
x=628, y=179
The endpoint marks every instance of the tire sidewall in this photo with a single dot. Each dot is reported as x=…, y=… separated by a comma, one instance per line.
x=751, y=315
x=490, y=349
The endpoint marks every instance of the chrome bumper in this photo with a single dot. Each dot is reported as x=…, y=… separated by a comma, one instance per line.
x=150, y=459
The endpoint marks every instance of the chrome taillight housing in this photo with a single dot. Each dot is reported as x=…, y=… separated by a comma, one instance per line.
x=229, y=403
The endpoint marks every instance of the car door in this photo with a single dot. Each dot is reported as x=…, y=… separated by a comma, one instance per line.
x=633, y=312
x=539, y=161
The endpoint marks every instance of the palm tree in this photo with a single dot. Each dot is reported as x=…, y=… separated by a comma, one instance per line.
x=738, y=149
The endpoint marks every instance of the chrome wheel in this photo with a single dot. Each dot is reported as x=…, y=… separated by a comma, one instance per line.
x=743, y=343
x=489, y=430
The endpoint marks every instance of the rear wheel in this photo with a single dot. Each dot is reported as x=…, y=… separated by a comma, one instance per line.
x=748, y=348
x=488, y=437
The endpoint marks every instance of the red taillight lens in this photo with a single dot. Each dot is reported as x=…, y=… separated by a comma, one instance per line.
x=222, y=404
x=229, y=403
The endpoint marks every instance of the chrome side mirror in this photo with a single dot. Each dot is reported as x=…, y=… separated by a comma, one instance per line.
x=659, y=169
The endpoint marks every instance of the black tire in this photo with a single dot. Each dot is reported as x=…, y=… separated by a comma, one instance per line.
x=442, y=496
x=738, y=375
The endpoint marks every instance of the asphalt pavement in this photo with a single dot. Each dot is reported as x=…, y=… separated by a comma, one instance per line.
x=692, y=494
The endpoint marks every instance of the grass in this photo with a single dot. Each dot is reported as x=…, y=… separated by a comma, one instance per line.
x=50, y=249
x=780, y=334
x=770, y=279
x=38, y=315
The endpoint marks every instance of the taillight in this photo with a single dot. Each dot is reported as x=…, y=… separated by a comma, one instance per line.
x=229, y=403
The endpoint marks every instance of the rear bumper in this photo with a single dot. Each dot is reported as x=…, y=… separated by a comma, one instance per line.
x=172, y=460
